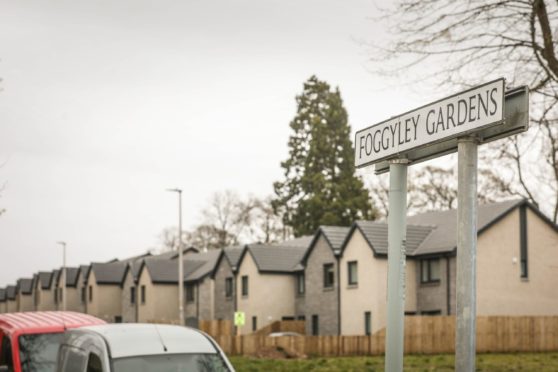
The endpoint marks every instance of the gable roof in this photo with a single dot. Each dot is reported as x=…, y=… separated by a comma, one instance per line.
x=44, y=279
x=209, y=259
x=25, y=286
x=2, y=294
x=280, y=258
x=11, y=292
x=166, y=271
x=171, y=255
x=444, y=237
x=233, y=255
x=109, y=273
x=72, y=276
x=435, y=232
x=84, y=270
x=334, y=236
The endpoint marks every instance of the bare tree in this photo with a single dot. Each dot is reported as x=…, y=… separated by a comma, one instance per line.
x=461, y=43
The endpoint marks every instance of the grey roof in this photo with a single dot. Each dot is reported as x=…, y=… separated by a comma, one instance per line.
x=279, y=258
x=25, y=286
x=72, y=276
x=109, y=273
x=171, y=255
x=376, y=233
x=335, y=236
x=302, y=241
x=444, y=237
x=84, y=269
x=11, y=292
x=45, y=279
x=2, y=294
x=166, y=271
x=209, y=259
x=233, y=254
x=137, y=258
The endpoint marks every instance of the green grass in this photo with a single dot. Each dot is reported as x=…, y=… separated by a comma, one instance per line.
x=539, y=362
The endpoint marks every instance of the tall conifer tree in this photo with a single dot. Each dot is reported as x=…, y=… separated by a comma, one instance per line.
x=320, y=186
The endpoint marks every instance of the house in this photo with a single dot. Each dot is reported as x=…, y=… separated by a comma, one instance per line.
x=200, y=287
x=43, y=291
x=3, y=303
x=266, y=279
x=317, y=295
x=363, y=276
x=11, y=299
x=224, y=277
x=25, y=295
x=157, y=293
x=517, y=266
x=73, y=290
x=104, y=289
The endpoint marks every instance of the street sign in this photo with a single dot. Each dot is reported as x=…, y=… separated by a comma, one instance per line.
x=458, y=115
x=516, y=120
x=239, y=318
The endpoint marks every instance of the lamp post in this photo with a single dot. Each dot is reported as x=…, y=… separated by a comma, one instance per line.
x=180, y=262
x=63, y=244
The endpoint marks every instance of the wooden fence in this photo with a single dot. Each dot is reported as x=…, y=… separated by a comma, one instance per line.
x=423, y=335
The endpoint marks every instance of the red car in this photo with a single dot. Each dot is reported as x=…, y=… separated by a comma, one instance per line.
x=29, y=341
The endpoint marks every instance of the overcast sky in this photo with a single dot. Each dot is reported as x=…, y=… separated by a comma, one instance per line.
x=105, y=104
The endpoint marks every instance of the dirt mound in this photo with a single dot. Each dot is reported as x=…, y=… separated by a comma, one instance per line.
x=278, y=352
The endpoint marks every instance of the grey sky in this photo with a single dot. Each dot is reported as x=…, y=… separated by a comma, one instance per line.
x=104, y=104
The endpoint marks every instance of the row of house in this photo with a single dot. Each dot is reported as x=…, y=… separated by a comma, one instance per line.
x=335, y=280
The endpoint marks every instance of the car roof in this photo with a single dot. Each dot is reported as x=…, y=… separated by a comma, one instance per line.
x=127, y=340
x=44, y=321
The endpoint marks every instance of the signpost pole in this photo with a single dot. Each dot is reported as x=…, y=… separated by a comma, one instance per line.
x=465, y=343
x=397, y=231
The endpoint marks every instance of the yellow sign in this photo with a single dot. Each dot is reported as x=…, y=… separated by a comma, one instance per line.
x=239, y=318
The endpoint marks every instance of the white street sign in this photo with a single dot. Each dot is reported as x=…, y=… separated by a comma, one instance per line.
x=448, y=118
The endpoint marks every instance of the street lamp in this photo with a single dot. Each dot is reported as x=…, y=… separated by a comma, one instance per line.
x=180, y=263
x=63, y=244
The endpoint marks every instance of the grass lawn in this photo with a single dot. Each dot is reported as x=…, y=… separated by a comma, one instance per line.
x=536, y=362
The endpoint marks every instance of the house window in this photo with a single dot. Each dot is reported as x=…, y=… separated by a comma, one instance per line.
x=90, y=293
x=523, y=242
x=244, y=285
x=189, y=293
x=329, y=276
x=300, y=284
x=352, y=270
x=254, y=323
x=228, y=287
x=367, y=323
x=430, y=270
x=132, y=295
x=82, y=295
x=315, y=325
x=142, y=294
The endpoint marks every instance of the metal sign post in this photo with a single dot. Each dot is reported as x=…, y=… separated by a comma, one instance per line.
x=397, y=231
x=465, y=340
x=460, y=122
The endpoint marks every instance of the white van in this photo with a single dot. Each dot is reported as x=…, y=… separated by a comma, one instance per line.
x=140, y=348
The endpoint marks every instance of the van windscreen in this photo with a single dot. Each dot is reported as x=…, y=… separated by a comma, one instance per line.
x=38, y=352
x=171, y=363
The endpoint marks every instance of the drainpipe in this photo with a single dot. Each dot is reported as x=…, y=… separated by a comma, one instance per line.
x=448, y=284
x=338, y=296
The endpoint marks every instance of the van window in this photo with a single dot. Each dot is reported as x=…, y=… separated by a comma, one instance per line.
x=72, y=359
x=38, y=352
x=172, y=363
x=94, y=363
x=6, y=353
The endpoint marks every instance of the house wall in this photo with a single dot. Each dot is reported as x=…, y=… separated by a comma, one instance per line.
x=11, y=306
x=206, y=298
x=500, y=289
x=224, y=307
x=317, y=299
x=73, y=299
x=45, y=298
x=370, y=294
x=106, y=302
x=270, y=296
x=161, y=301
x=433, y=296
x=3, y=305
x=129, y=309
x=82, y=304
x=25, y=302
